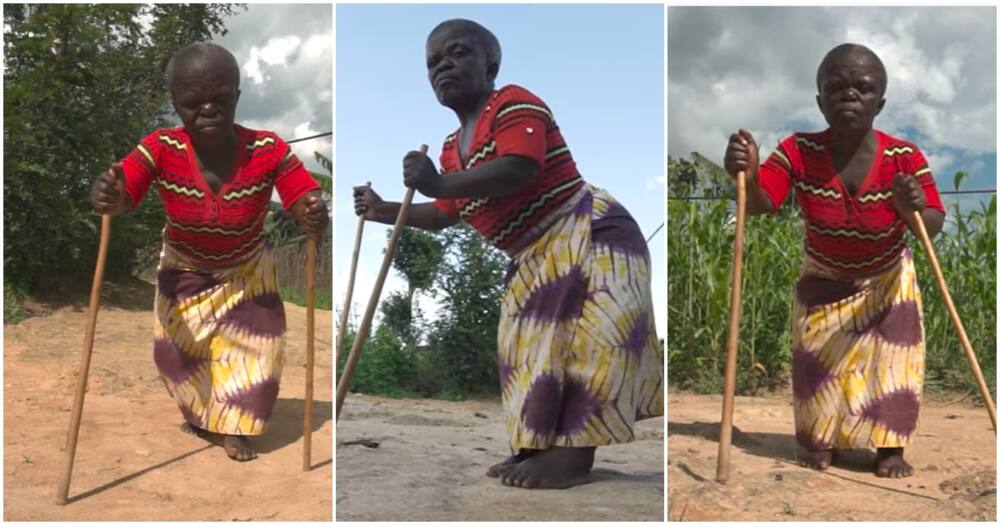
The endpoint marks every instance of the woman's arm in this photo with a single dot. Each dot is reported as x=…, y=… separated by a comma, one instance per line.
x=425, y=215
x=742, y=155
x=495, y=178
x=107, y=193
x=908, y=197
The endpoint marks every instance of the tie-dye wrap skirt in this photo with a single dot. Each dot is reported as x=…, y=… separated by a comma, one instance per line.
x=578, y=352
x=857, y=357
x=219, y=339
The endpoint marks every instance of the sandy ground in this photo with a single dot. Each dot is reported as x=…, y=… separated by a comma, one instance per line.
x=425, y=460
x=954, y=454
x=132, y=462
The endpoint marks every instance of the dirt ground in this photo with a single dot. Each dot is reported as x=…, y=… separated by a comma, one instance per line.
x=132, y=461
x=954, y=453
x=425, y=460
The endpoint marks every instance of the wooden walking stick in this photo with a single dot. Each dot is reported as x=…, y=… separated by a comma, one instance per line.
x=953, y=313
x=310, y=351
x=733, y=341
x=342, y=327
x=366, y=321
x=88, y=346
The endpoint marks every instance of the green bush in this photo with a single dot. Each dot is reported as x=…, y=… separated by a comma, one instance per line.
x=384, y=368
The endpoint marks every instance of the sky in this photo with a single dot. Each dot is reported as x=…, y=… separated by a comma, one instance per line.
x=286, y=66
x=599, y=68
x=755, y=68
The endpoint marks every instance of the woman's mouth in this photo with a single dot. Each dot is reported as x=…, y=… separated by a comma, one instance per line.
x=440, y=81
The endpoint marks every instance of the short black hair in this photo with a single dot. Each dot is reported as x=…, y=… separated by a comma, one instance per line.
x=183, y=56
x=486, y=38
x=849, y=49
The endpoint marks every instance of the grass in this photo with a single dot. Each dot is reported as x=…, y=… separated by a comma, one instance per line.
x=323, y=299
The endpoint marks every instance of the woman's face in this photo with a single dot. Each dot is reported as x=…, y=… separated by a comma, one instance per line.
x=205, y=95
x=457, y=66
x=850, y=92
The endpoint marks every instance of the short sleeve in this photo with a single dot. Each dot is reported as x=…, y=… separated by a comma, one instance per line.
x=141, y=166
x=922, y=171
x=776, y=172
x=448, y=206
x=292, y=180
x=520, y=125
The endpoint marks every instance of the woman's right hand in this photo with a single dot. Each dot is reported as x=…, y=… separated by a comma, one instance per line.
x=107, y=193
x=742, y=155
x=366, y=201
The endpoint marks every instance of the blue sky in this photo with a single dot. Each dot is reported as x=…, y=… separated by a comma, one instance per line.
x=598, y=67
x=755, y=67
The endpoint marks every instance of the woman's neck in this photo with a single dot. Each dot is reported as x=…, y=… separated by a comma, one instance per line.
x=847, y=141
x=468, y=113
x=221, y=150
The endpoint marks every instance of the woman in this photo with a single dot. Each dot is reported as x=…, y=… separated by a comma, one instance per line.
x=218, y=338
x=577, y=341
x=857, y=339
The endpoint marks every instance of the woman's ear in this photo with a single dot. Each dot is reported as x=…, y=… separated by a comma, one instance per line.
x=491, y=71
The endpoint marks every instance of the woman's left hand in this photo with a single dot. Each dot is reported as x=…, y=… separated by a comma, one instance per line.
x=907, y=195
x=419, y=173
x=311, y=214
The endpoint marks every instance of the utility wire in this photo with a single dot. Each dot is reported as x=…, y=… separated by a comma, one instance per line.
x=327, y=134
x=660, y=227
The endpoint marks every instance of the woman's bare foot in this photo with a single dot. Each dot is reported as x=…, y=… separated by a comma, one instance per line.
x=817, y=459
x=889, y=463
x=236, y=447
x=523, y=454
x=553, y=468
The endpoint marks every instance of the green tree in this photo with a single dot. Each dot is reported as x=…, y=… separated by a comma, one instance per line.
x=82, y=84
x=462, y=354
x=418, y=257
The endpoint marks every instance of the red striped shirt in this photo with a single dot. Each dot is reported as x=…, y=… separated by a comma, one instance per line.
x=513, y=122
x=215, y=229
x=859, y=234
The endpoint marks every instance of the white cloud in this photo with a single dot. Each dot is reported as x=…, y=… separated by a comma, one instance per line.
x=317, y=46
x=276, y=52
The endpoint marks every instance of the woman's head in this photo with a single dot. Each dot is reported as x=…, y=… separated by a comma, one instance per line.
x=204, y=84
x=851, y=82
x=463, y=59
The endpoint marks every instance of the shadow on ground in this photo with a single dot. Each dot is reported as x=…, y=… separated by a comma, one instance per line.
x=285, y=426
x=780, y=447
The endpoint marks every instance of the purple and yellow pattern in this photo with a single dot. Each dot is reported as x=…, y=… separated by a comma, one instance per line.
x=579, y=359
x=219, y=340
x=857, y=357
